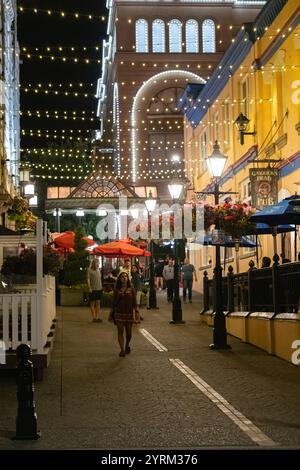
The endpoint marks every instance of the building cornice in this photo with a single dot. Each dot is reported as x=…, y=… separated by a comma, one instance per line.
x=233, y=58
x=278, y=41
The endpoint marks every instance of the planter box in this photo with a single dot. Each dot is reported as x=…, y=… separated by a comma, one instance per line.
x=72, y=297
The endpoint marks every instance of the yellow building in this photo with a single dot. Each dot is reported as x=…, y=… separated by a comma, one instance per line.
x=259, y=76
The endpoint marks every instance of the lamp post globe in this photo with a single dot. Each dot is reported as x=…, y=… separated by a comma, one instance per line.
x=150, y=204
x=216, y=163
x=176, y=189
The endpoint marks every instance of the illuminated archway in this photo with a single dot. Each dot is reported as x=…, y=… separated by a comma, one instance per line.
x=169, y=74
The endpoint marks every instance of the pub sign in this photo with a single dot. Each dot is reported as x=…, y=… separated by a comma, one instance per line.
x=263, y=186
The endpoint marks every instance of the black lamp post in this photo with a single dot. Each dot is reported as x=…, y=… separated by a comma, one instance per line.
x=175, y=189
x=242, y=124
x=150, y=203
x=216, y=163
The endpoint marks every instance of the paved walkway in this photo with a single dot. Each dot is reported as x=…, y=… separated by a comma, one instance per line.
x=170, y=392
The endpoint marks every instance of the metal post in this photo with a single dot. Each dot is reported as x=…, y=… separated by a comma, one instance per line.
x=176, y=307
x=230, y=300
x=276, y=285
x=57, y=219
x=219, y=331
x=205, y=293
x=152, y=302
x=251, y=295
x=26, y=423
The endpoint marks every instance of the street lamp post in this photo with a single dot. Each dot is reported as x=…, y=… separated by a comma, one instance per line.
x=216, y=163
x=27, y=187
x=150, y=203
x=175, y=189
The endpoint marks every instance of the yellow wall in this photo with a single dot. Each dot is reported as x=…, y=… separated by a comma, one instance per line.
x=273, y=106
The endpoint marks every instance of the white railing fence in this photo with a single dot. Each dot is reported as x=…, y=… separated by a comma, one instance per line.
x=21, y=321
x=27, y=317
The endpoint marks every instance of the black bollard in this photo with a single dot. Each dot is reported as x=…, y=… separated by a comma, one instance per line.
x=26, y=423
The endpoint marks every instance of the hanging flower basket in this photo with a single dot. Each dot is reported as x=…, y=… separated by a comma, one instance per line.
x=234, y=218
x=20, y=213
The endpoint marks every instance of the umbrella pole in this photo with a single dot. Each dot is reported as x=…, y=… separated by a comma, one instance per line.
x=256, y=241
x=295, y=243
x=275, y=244
x=274, y=234
x=237, y=257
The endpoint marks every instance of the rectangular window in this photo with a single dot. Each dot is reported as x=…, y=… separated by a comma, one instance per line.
x=203, y=152
x=227, y=124
x=226, y=255
x=52, y=193
x=205, y=257
x=244, y=93
x=216, y=127
x=245, y=195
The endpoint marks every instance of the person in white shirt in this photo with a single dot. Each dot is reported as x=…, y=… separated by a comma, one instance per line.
x=94, y=283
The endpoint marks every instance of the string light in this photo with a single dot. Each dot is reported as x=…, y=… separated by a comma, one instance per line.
x=63, y=14
x=60, y=85
x=59, y=48
x=73, y=60
x=57, y=92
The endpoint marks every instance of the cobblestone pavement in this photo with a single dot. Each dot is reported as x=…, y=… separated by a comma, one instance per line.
x=91, y=398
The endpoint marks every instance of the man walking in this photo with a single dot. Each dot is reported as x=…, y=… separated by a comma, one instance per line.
x=188, y=273
x=168, y=275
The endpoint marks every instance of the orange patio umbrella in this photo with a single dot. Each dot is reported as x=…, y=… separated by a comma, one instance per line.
x=120, y=249
x=67, y=240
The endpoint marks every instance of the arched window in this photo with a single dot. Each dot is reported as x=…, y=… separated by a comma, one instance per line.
x=141, y=36
x=192, y=36
x=175, y=36
x=158, y=36
x=208, y=36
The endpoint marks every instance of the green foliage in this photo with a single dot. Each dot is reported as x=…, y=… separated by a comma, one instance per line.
x=25, y=263
x=77, y=262
x=20, y=213
x=69, y=222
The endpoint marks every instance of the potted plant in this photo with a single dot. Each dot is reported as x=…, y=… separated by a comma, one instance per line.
x=73, y=288
x=21, y=269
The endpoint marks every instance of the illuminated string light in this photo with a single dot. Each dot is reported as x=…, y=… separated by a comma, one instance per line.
x=59, y=48
x=60, y=58
x=57, y=92
x=63, y=14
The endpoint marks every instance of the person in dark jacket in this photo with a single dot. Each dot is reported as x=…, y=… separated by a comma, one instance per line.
x=137, y=284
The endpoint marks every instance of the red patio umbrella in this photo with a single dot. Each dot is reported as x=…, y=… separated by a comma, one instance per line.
x=67, y=240
x=120, y=249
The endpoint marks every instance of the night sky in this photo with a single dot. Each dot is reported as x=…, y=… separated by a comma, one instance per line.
x=40, y=31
